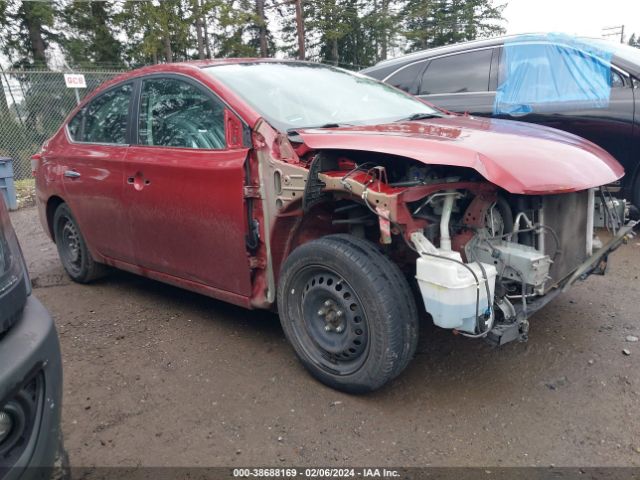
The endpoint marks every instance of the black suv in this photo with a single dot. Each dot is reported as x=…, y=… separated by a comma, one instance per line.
x=556, y=75
x=30, y=370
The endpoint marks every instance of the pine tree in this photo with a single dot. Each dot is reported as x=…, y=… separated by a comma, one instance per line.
x=89, y=39
x=237, y=23
x=156, y=31
x=26, y=31
x=431, y=23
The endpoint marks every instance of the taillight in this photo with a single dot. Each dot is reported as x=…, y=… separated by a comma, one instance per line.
x=9, y=262
x=35, y=163
x=14, y=282
x=37, y=157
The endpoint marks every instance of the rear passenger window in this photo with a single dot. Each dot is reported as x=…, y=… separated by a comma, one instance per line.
x=174, y=113
x=461, y=73
x=105, y=118
x=405, y=78
x=545, y=76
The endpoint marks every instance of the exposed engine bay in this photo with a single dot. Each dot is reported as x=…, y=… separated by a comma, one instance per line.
x=484, y=255
x=483, y=259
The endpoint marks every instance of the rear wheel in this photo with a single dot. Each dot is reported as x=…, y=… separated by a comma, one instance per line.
x=72, y=248
x=635, y=198
x=348, y=312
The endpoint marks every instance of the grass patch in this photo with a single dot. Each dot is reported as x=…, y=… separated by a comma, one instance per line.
x=26, y=192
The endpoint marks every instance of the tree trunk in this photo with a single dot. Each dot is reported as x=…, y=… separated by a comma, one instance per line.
x=4, y=105
x=207, y=44
x=385, y=30
x=197, y=14
x=168, y=53
x=200, y=37
x=262, y=28
x=332, y=23
x=300, y=29
x=36, y=39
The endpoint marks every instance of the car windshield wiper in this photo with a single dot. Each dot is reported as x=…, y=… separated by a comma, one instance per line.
x=325, y=125
x=419, y=116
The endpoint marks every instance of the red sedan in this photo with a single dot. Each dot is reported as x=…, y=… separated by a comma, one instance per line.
x=345, y=204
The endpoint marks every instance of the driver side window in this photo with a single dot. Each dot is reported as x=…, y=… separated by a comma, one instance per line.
x=174, y=113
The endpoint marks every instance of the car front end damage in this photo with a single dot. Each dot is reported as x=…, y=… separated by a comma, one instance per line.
x=484, y=257
x=499, y=257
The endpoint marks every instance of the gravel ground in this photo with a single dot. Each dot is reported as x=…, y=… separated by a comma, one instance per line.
x=157, y=376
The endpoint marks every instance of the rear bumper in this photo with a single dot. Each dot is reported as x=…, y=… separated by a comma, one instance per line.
x=30, y=352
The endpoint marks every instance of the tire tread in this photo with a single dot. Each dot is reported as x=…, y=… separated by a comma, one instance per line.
x=394, y=299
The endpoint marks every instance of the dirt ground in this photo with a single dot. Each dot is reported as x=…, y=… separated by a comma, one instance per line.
x=157, y=376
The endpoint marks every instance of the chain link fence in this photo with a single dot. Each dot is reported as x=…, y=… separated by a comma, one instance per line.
x=33, y=104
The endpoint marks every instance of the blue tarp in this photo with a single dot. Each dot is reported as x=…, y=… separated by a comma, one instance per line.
x=542, y=73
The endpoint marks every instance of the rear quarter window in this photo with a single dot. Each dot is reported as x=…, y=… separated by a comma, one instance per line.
x=407, y=77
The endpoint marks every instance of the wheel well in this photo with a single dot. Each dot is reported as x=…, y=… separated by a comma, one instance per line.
x=52, y=205
x=322, y=219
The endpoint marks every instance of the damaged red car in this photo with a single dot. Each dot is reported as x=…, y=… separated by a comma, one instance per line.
x=349, y=206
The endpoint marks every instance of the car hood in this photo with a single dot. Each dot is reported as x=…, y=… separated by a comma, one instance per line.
x=521, y=158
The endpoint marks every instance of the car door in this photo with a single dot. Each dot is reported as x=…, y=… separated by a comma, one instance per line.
x=92, y=167
x=460, y=82
x=184, y=186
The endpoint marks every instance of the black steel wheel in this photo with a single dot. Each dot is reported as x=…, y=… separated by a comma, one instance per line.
x=348, y=312
x=334, y=329
x=72, y=248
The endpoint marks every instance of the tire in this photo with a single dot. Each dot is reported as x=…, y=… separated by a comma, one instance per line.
x=61, y=466
x=72, y=248
x=635, y=194
x=348, y=312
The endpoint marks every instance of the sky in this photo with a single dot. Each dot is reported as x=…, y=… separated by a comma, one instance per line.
x=577, y=17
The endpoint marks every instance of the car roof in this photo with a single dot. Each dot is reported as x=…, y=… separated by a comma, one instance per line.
x=199, y=64
x=430, y=52
x=195, y=65
x=391, y=65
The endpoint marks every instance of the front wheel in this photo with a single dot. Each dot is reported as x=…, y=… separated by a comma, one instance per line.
x=348, y=312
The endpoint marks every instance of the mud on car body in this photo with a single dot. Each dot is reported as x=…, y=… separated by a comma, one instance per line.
x=346, y=204
x=30, y=370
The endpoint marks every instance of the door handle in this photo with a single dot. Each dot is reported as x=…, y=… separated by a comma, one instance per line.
x=71, y=174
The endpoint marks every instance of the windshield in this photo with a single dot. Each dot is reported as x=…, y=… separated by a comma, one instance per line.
x=295, y=95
